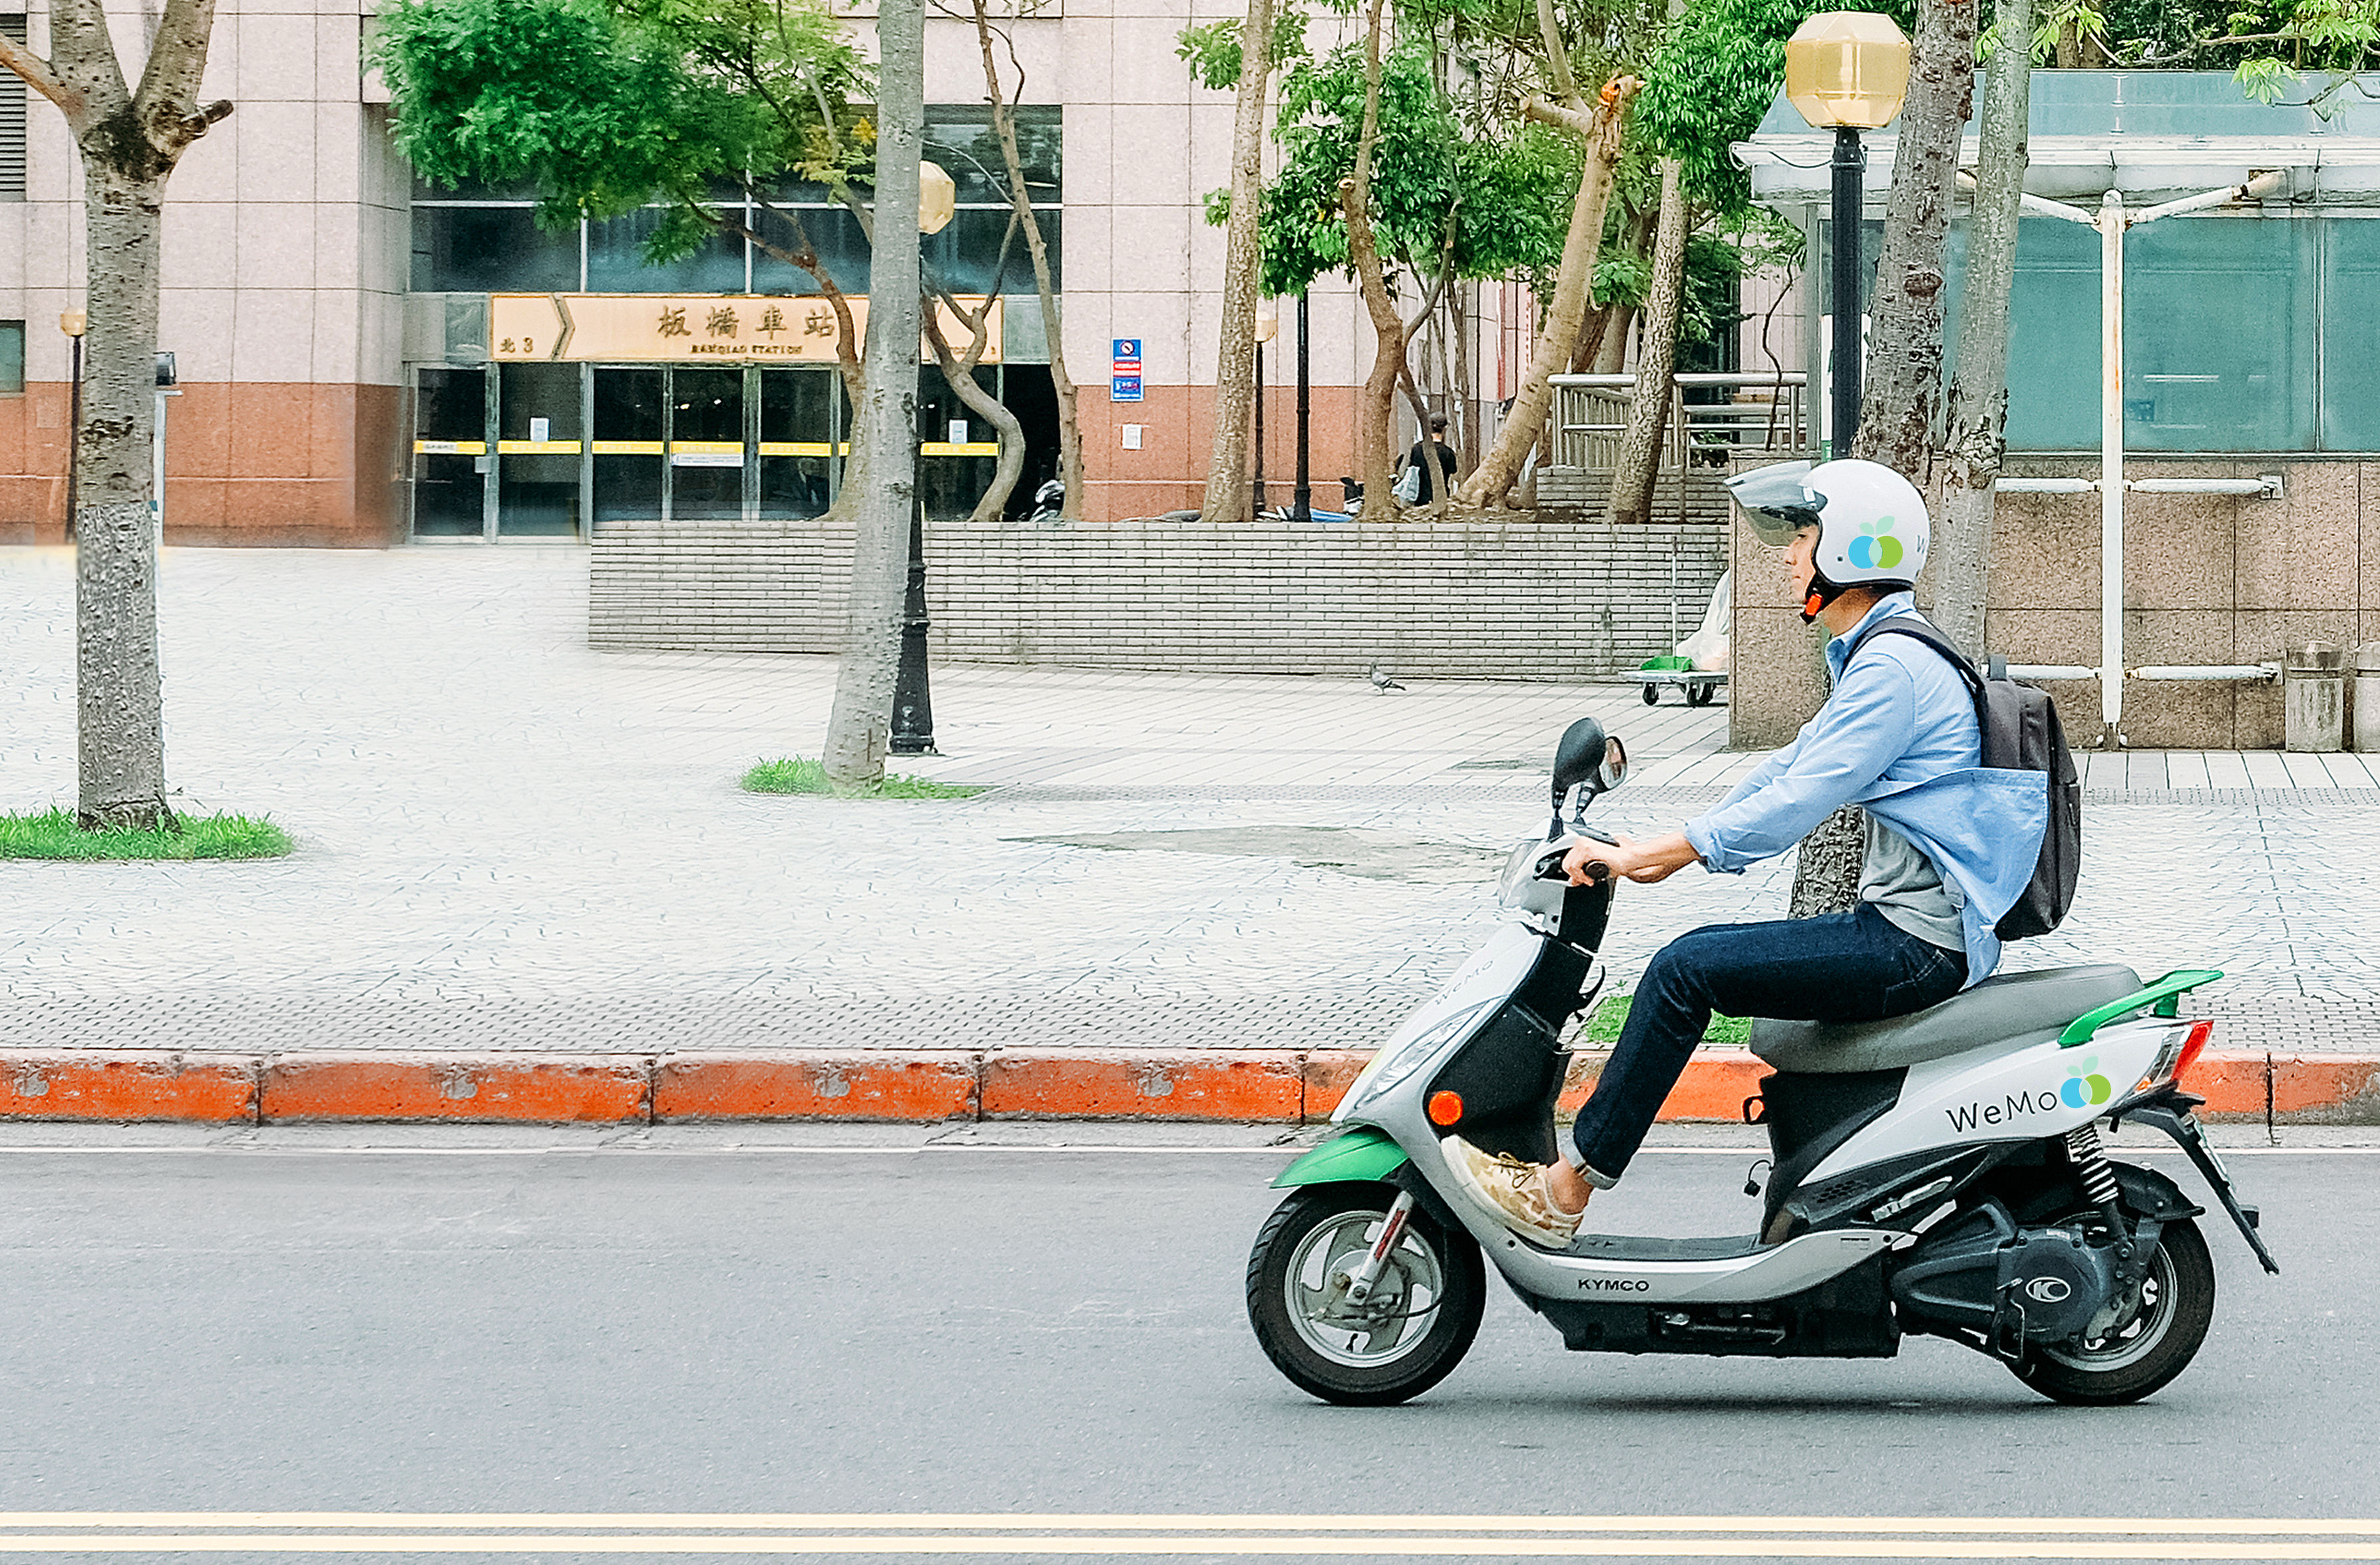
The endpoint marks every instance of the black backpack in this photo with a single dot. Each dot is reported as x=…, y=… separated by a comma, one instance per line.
x=2021, y=732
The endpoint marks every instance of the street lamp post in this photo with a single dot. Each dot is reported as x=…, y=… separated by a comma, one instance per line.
x=1847, y=71
x=913, y=694
x=73, y=322
x=1301, y=500
x=1268, y=322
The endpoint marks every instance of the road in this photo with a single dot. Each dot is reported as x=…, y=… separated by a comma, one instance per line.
x=853, y=1323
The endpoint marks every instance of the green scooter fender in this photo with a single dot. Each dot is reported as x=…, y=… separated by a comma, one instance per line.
x=1362, y=1156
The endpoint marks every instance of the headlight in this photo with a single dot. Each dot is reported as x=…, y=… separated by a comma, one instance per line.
x=1394, y=1064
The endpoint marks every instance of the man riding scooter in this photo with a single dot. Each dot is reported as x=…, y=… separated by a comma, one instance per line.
x=1950, y=845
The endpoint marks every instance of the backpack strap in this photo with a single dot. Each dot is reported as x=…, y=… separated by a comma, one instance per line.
x=1918, y=630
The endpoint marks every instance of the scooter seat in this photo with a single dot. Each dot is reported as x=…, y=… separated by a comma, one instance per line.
x=2015, y=1010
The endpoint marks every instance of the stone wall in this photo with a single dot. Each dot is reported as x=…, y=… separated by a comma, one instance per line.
x=1521, y=599
x=2208, y=579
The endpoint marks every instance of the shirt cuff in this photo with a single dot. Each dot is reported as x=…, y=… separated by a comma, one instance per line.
x=1714, y=858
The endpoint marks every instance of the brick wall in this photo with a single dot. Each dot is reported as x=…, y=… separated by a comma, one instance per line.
x=1524, y=599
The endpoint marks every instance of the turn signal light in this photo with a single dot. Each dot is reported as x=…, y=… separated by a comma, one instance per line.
x=1445, y=1107
x=2195, y=1046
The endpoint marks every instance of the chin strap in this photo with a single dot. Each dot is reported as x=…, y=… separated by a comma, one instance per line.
x=1822, y=592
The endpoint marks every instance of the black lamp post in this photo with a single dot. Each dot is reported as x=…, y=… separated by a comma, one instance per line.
x=1847, y=71
x=913, y=691
x=1301, y=502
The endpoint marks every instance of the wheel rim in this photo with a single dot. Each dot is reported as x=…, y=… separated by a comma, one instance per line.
x=1393, y=1321
x=2136, y=1337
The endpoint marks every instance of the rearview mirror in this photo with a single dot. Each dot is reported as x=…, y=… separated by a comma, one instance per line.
x=1589, y=755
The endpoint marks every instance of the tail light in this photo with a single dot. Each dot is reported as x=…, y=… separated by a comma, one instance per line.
x=2196, y=1045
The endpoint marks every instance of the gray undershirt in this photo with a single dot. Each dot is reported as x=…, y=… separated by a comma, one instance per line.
x=1908, y=890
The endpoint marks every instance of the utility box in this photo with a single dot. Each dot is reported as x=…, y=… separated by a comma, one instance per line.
x=2367, y=697
x=2313, y=699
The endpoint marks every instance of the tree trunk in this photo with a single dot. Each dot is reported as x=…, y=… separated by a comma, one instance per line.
x=1903, y=388
x=959, y=371
x=1375, y=411
x=120, y=727
x=886, y=439
x=1003, y=125
x=1228, y=492
x=1963, y=544
x=1600, y=134
x=1467, y=397
x=1612, y=355
x=130, y=140
x=1902, y=397
x=1648, y=410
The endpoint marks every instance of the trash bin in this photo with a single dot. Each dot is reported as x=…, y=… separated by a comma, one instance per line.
x=2367, y=697
x=2313, y=698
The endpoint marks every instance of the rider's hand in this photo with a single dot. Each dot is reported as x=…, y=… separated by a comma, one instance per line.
x=1643, y=863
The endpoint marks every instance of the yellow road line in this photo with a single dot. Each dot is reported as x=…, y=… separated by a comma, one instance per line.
x=1112, y=1546
x=996, y=1521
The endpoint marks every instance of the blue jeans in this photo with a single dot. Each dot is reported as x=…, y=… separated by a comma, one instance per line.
x=1855, y=966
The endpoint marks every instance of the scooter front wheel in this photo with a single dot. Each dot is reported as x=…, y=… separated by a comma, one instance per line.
x=1411, y=1331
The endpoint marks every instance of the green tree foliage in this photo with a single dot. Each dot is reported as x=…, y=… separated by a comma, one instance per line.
x=1713, y=79
x=601, y=108
x=2269, y=47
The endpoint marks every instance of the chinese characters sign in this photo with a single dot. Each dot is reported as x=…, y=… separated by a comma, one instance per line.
x=688, y=327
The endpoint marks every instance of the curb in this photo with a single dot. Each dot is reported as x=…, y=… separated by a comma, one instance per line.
x=1272, y=1086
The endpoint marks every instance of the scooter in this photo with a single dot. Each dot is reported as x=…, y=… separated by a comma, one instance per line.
x=1937, y=1174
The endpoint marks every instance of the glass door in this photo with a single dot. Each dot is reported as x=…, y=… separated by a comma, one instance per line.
x=797, y=440
x=628, y=442
x=706, y=445
x=450, y=454
x=536, y=451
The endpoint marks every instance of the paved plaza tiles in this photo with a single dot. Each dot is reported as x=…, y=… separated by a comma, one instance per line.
x=508, y=841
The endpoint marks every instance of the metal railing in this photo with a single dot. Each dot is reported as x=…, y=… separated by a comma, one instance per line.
x=1747, y=414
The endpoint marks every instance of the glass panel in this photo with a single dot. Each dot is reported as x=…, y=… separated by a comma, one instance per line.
x=490, y=249
x=959, y=137
x=950, y=485
x=2350, y=334
x=2219, y=322
x=536, y=465
x=12, y=356
x=706, y=444
x=966, y=252
x=449, y=487
x=628, y=436
x=796, y=411
x=842, y=247
x=616, y=261
x=2053, y=332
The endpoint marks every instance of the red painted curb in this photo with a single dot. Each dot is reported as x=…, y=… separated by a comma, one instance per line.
x=1263, y=1085
x=477, y=1090
x=131, y=1084
x=853, y=1085
x=1162, y=1083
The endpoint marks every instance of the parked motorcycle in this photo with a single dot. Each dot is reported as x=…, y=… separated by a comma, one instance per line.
x=1937, y=1174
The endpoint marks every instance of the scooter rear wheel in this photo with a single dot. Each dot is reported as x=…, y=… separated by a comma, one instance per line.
x=2142, y=1355
x=1415, y=1327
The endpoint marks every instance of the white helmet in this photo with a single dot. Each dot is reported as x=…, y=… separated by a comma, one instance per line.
x=1873, y=530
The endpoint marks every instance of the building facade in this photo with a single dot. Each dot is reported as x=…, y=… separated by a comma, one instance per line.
x=340, y=328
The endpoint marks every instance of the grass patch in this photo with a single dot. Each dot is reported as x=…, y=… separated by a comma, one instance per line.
x=1603, y=1028
x=795, y=775
x=54, y=834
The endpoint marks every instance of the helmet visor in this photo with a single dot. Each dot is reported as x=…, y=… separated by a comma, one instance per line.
x=1777, y=501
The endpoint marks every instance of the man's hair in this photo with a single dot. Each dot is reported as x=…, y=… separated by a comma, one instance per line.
x=1438, y=421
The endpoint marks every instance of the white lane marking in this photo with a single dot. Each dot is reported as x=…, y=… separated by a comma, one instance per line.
x=1112, y=1545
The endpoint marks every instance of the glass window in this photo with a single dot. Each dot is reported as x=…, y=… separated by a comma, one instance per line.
x=12, y=358
x=536, y=465
x=959, y=137
x=2053, y=332
x=842, y=247
x=450, y=486
x=706, y=444
x=797, y=433
x=616, y=260
x=967, y=253
x=490, y=249
x=2219, y=324
x=2350, y=334
x=627, y=440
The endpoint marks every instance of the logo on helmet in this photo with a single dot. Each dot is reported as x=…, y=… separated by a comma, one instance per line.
x=1875, y=549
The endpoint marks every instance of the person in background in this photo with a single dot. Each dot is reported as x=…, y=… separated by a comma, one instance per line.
x=1434, y=458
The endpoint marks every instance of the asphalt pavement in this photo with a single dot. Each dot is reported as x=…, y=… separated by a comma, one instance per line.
x=675, y=1340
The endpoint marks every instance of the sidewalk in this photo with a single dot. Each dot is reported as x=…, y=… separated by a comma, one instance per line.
x=511, y=843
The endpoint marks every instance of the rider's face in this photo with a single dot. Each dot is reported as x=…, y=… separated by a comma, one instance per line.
x=1802, y=561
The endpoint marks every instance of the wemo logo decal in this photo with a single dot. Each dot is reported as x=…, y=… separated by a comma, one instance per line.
x=1876, y=548
x=2083, y=1087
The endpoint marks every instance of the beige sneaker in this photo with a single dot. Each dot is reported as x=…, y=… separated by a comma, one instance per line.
x=1512, y=1192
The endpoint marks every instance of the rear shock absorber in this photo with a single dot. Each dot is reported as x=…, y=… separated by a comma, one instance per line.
x=2098, y=1180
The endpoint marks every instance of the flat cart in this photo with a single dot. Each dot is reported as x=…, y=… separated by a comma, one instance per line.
x=1700, y=687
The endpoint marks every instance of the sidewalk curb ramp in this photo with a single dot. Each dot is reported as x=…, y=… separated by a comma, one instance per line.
x=1273, y=1086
